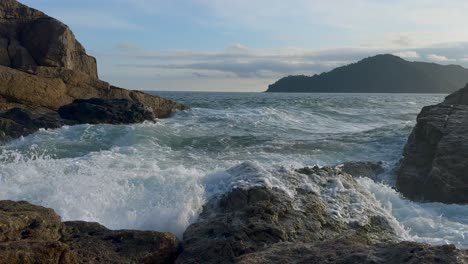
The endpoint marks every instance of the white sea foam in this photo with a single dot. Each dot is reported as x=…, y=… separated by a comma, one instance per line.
x=158, y=175
x=433, y=223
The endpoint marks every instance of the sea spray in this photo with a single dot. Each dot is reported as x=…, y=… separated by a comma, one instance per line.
x=158, y=175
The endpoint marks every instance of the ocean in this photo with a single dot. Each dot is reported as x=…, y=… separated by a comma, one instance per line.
x=157, y=176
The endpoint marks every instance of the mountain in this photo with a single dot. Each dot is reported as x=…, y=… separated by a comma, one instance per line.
x=379, y=74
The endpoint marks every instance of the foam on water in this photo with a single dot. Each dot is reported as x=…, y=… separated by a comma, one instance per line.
x=158, y=175
x=433, y=223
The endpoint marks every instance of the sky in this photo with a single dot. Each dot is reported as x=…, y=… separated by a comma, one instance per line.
x=245, y=45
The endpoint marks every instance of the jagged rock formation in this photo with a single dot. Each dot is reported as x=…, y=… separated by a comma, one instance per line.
x=30, y=38
x=43, y=67
x=34, y=234
x=317, y=223
x=435, y=163
x=379, y=74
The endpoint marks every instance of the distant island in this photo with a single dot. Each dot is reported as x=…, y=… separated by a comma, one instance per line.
x=379, y=74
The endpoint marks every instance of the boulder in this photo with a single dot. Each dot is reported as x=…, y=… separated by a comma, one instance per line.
x=44, y=252
x=353, y=251
x=94, y=243
x=17, y=122
x=435, y=158
x=322, y=216
x=96, y=111
x=253, y=219
x=34, y=234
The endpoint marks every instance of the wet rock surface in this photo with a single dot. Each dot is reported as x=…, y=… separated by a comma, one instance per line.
x=34, y=234
x=97, y=111
x=368, y=169
x=436, y=155
x=352, y=250
x=315, y=224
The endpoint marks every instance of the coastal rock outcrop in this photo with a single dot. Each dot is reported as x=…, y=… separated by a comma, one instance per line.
x=30, y=38
x=435, y=163
x=34, y=234
x=43, y=68
x=319, y=215
x=115, y=111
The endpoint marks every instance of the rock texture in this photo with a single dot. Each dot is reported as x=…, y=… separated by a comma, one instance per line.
x=34, y=234
x=30, y=38
x=43, y=68
x=116, y=111
x=436, y=155
x=348, y=251
x=369, y=169
x=312, y=221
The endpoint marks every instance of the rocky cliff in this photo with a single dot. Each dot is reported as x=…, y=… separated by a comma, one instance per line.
x=43, y=68
x=435, y=163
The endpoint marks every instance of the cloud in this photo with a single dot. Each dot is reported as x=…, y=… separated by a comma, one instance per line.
x=437, y=58
x=127, y=47
x=402, y=40
x=239, y=61
x=407, y=54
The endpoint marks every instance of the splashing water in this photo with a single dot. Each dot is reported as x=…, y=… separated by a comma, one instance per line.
x=158, y=175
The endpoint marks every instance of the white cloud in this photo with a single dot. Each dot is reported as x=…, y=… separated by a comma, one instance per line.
x=437, y=58
x=407, y=55
x=266, y=65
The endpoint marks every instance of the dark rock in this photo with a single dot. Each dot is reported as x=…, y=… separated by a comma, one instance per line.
x=116, y=111
x=369, y=169
x=20, y=57
x=244, y=221
x=32, y=252
x=34, y=234
x=18, y=122
x=93, y=243
x=4, y=56
x=352, y=250
x=436, y=155
x=312, y=221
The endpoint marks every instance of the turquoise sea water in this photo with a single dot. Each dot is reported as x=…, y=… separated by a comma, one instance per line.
x=158, y=175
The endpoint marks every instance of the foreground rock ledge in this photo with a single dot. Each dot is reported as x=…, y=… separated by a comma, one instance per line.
x=34, y=234
x=435, y=163
x=266, y=225
x=43, y=68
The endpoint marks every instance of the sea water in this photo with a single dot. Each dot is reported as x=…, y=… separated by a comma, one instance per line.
x=157, y=176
